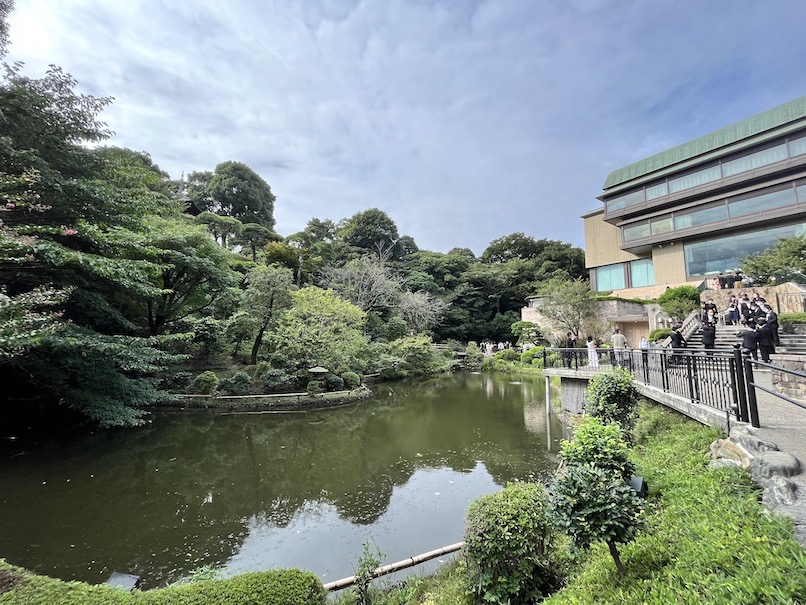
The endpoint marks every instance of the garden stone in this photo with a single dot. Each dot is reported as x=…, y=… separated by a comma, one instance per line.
x=767, y=464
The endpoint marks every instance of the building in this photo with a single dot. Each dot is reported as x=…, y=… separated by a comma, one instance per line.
x=693, y=211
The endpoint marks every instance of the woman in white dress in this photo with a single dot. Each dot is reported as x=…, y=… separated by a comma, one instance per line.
x=593, y=355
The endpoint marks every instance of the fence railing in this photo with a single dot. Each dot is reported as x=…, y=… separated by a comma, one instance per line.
x=717, y=380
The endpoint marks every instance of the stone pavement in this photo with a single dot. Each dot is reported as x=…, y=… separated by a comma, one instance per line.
x=777, y=454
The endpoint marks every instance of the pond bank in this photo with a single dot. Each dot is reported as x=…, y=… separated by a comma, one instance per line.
x=277, y=401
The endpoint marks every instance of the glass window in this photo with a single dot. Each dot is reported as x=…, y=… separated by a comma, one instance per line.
x=725, y=253
x=662, y=225
x=657, y=191
x=695, y=178
x=797, y=147
x=634, y=232
x=765, y=201
x=801, y=189
x=701, y=216
x=755, y=160
x=610, y=277
x=642, y=273
x=623, y=201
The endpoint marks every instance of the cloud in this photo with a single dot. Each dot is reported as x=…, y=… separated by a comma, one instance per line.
x=464, y=121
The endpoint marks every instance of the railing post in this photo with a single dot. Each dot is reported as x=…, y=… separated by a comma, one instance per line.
x=752, y=404
x=690, y=379
x=740, y=386
x=664, y=371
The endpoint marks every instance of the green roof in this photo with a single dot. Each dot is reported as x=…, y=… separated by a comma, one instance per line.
x=768, y=120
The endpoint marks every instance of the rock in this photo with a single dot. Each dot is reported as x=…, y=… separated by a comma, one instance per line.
x=767, y=464
x=733, y=452
x=780, y=491
x=722, y=463
x=754, y=445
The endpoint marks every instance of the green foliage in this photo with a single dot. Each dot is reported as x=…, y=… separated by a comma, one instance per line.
x=510, y=546
x=526, y=332
x=275, y=379
x=784, y=261
x=238, y=383
x=679, y=302
x=507, y=355
x=792, y=318
x=368, y=562
x=612, y=397
x=531, y=354
x=652, y=420
x=351, y=380
x=474, y=356
x=334, y=382
x=416, y=356
x=315, y=387
x=205, y=383
x=238, y=191
x=601, y=445
x=659, y=334
x=589, y=503
x=276, y=587
x=569, y=304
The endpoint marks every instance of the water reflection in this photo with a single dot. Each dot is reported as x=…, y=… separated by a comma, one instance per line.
x=260, y=490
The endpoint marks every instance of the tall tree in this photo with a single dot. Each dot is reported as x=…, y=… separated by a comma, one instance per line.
x=268, y=293
x=569, y=305
x=238, y=191
x=371, y=230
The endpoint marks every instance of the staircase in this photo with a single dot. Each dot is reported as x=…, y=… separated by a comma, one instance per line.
x=791, y=344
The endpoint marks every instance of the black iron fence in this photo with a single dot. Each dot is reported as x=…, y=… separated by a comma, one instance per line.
x=718, y=380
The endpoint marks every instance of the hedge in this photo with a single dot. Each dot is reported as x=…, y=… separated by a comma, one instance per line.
x=276, y=587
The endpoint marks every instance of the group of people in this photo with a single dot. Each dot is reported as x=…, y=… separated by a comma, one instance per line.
x=761, y=327
x=732, y=279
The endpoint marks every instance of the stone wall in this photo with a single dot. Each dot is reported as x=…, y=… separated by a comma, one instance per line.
x=786, y=384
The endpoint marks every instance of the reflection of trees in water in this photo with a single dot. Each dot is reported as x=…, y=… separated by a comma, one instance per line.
x=180, y=492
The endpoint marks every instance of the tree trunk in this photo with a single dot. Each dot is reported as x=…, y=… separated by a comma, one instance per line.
x=614, y=554
x=256, y=346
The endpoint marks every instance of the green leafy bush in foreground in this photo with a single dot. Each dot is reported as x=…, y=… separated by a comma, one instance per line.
x=599, y=444
x=612, y=397
x=511, y=548
x=277, y=587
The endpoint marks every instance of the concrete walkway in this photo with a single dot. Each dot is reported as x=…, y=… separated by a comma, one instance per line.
x=783, y=424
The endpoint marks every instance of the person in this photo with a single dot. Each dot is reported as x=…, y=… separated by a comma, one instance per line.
x=708, y=337
x=593, y=354
x=678, y=342
x=771, y=318
x=570, y=343
x=619, y=344
x=765, y=340
x=749, y=341
x=721, y=281
x=709, y=310
x=733, y=310
x=644, y=346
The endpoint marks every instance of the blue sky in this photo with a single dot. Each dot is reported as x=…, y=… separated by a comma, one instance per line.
x=464, y=120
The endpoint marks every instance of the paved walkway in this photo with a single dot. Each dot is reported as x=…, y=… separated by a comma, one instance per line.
x=784, y=424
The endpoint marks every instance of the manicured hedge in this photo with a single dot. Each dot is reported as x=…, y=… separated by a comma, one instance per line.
x=277, y=587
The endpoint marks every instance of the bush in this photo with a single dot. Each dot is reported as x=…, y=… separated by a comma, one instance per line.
x=590, y=504
x=474, y=357
x=237, y=383
x=510, y=547
x=507, y=355
x=351, y=380
x=659, y=334
x=205, y=383
x=334, y=382
x=612, y=397
x=599, y=444
x=679, y=302
x=276, y=587
x=792, y=318
x=315, y=387
x=274, y=379
x=529, y=355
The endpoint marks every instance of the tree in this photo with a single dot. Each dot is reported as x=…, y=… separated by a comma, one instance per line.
x=784, y=261
x=6, y=6
x=320, y=329
x=239, y=192
x=255, y=237
x=321, y=230
x=370, y=230
x=268, y=293
x=679, y=302
x=526, y=332
x=570, y=305
x=420, y=310
x=220, y=227
x=367, y=283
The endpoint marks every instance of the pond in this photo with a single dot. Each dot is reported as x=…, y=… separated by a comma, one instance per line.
x=257, y=491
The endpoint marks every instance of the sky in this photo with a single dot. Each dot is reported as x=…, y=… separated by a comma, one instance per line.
x=463, y=120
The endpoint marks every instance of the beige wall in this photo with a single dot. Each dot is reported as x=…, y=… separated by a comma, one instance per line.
x=602, y=241
x=669, y=264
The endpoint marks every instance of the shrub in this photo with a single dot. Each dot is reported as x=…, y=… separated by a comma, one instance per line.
x=507, y=355
x=590, y=504
x=474, y=357
x=529, y=355
x=334, y=382
x=659, y=333
x=792, y=318
x=510, y=547
x=237, y=383
x=678, y=302
x=599, y=444
x=314, y=387
x=612, y=397
x=351, y=380
x=206, y=382
x=274, y=379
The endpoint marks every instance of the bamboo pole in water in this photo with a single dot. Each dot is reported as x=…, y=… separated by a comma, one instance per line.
x=393, y=567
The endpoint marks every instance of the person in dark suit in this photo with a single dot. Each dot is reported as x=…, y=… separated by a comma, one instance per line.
x=766, y=342
x=771, y=317
x=708, y=337
x=749, y=341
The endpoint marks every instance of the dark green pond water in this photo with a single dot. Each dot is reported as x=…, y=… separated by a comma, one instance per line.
x=257, y=491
